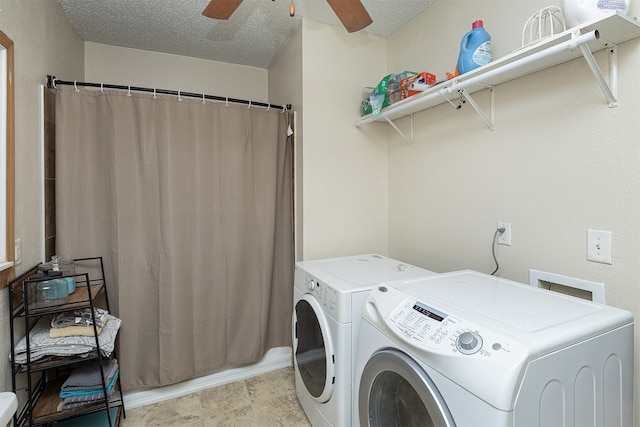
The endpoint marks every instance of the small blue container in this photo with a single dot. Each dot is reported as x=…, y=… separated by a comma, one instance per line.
x=52, y=292
x=475, y=49
x=71, y=284
x=60, y=267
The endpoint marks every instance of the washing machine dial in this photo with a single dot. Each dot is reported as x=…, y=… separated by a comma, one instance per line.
x=469, y=343
x=311, y=284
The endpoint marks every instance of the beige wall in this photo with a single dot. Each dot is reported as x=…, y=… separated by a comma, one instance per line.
x=558, y=163
x=44, y=44
x=344, y=168
x=124, y=66
x=285, y=72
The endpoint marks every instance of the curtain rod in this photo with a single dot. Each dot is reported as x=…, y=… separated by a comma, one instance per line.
x=52, y=82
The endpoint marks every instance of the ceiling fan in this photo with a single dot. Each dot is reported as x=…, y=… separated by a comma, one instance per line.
x=351, y=13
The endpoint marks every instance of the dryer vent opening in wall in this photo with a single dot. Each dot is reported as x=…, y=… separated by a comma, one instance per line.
x=568, y=290
x=579, y=288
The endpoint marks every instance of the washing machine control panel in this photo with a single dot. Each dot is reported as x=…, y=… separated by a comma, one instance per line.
x=428, y=328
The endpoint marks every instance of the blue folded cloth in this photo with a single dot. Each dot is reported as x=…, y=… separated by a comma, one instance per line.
x=90, y=394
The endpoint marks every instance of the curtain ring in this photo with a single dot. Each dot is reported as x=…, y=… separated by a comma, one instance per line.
x=154, y=94
x=249, y=105
x=75, y=86
x=226, y=102
x=179, y=97
x=102, y=87
x=129, y=92
x=203, y=98
x=269, y=107
x=284, y=109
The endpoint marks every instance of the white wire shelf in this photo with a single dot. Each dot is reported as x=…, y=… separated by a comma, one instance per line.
x=579, y=41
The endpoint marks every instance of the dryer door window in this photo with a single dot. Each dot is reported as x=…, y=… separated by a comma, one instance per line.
x=395, y=391
x=314, y=355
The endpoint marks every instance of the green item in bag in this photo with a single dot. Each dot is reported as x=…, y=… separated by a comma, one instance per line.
x=378, y=98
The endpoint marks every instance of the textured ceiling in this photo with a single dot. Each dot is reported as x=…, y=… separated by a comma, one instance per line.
x=252, y=36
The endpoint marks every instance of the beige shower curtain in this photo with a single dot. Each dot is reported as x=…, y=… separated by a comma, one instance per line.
x=190, y=205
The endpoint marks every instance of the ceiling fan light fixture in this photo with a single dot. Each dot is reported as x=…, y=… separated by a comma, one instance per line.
x=351, y=13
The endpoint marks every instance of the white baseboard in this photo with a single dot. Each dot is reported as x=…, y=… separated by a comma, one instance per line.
x=276, y=358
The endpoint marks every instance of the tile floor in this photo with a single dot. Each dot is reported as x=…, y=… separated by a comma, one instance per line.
x=267, y=400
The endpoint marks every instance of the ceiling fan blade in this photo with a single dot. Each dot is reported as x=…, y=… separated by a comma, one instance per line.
x=221, y=9
x=351, y=13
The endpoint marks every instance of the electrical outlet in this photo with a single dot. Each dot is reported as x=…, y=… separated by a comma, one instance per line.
x=504, y=238
x=599, y=246
x=18, y=252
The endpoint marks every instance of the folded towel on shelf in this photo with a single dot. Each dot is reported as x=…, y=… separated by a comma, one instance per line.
x=87, y=376
x=75, y=399
x=89, y=394
x=80, y=317
x=42, y=345
x=73, y=331
x=78, y=401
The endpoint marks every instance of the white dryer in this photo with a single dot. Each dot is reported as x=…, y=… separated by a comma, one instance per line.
x=469, y=349
x=329, y=295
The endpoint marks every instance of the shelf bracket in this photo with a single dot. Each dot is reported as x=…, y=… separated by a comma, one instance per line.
x=409, y=140
x=488, y=120
x=610, y=90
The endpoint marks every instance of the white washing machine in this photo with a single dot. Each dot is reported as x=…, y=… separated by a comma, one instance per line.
x=329, y=295
x=469, y=349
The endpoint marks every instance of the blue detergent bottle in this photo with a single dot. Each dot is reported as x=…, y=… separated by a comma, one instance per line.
x=475, y=48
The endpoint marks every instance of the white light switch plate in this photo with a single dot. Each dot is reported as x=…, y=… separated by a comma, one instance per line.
x=599, y=246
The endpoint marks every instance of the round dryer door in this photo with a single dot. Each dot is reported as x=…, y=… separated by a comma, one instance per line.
x=395, y=391
x=313, y=349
